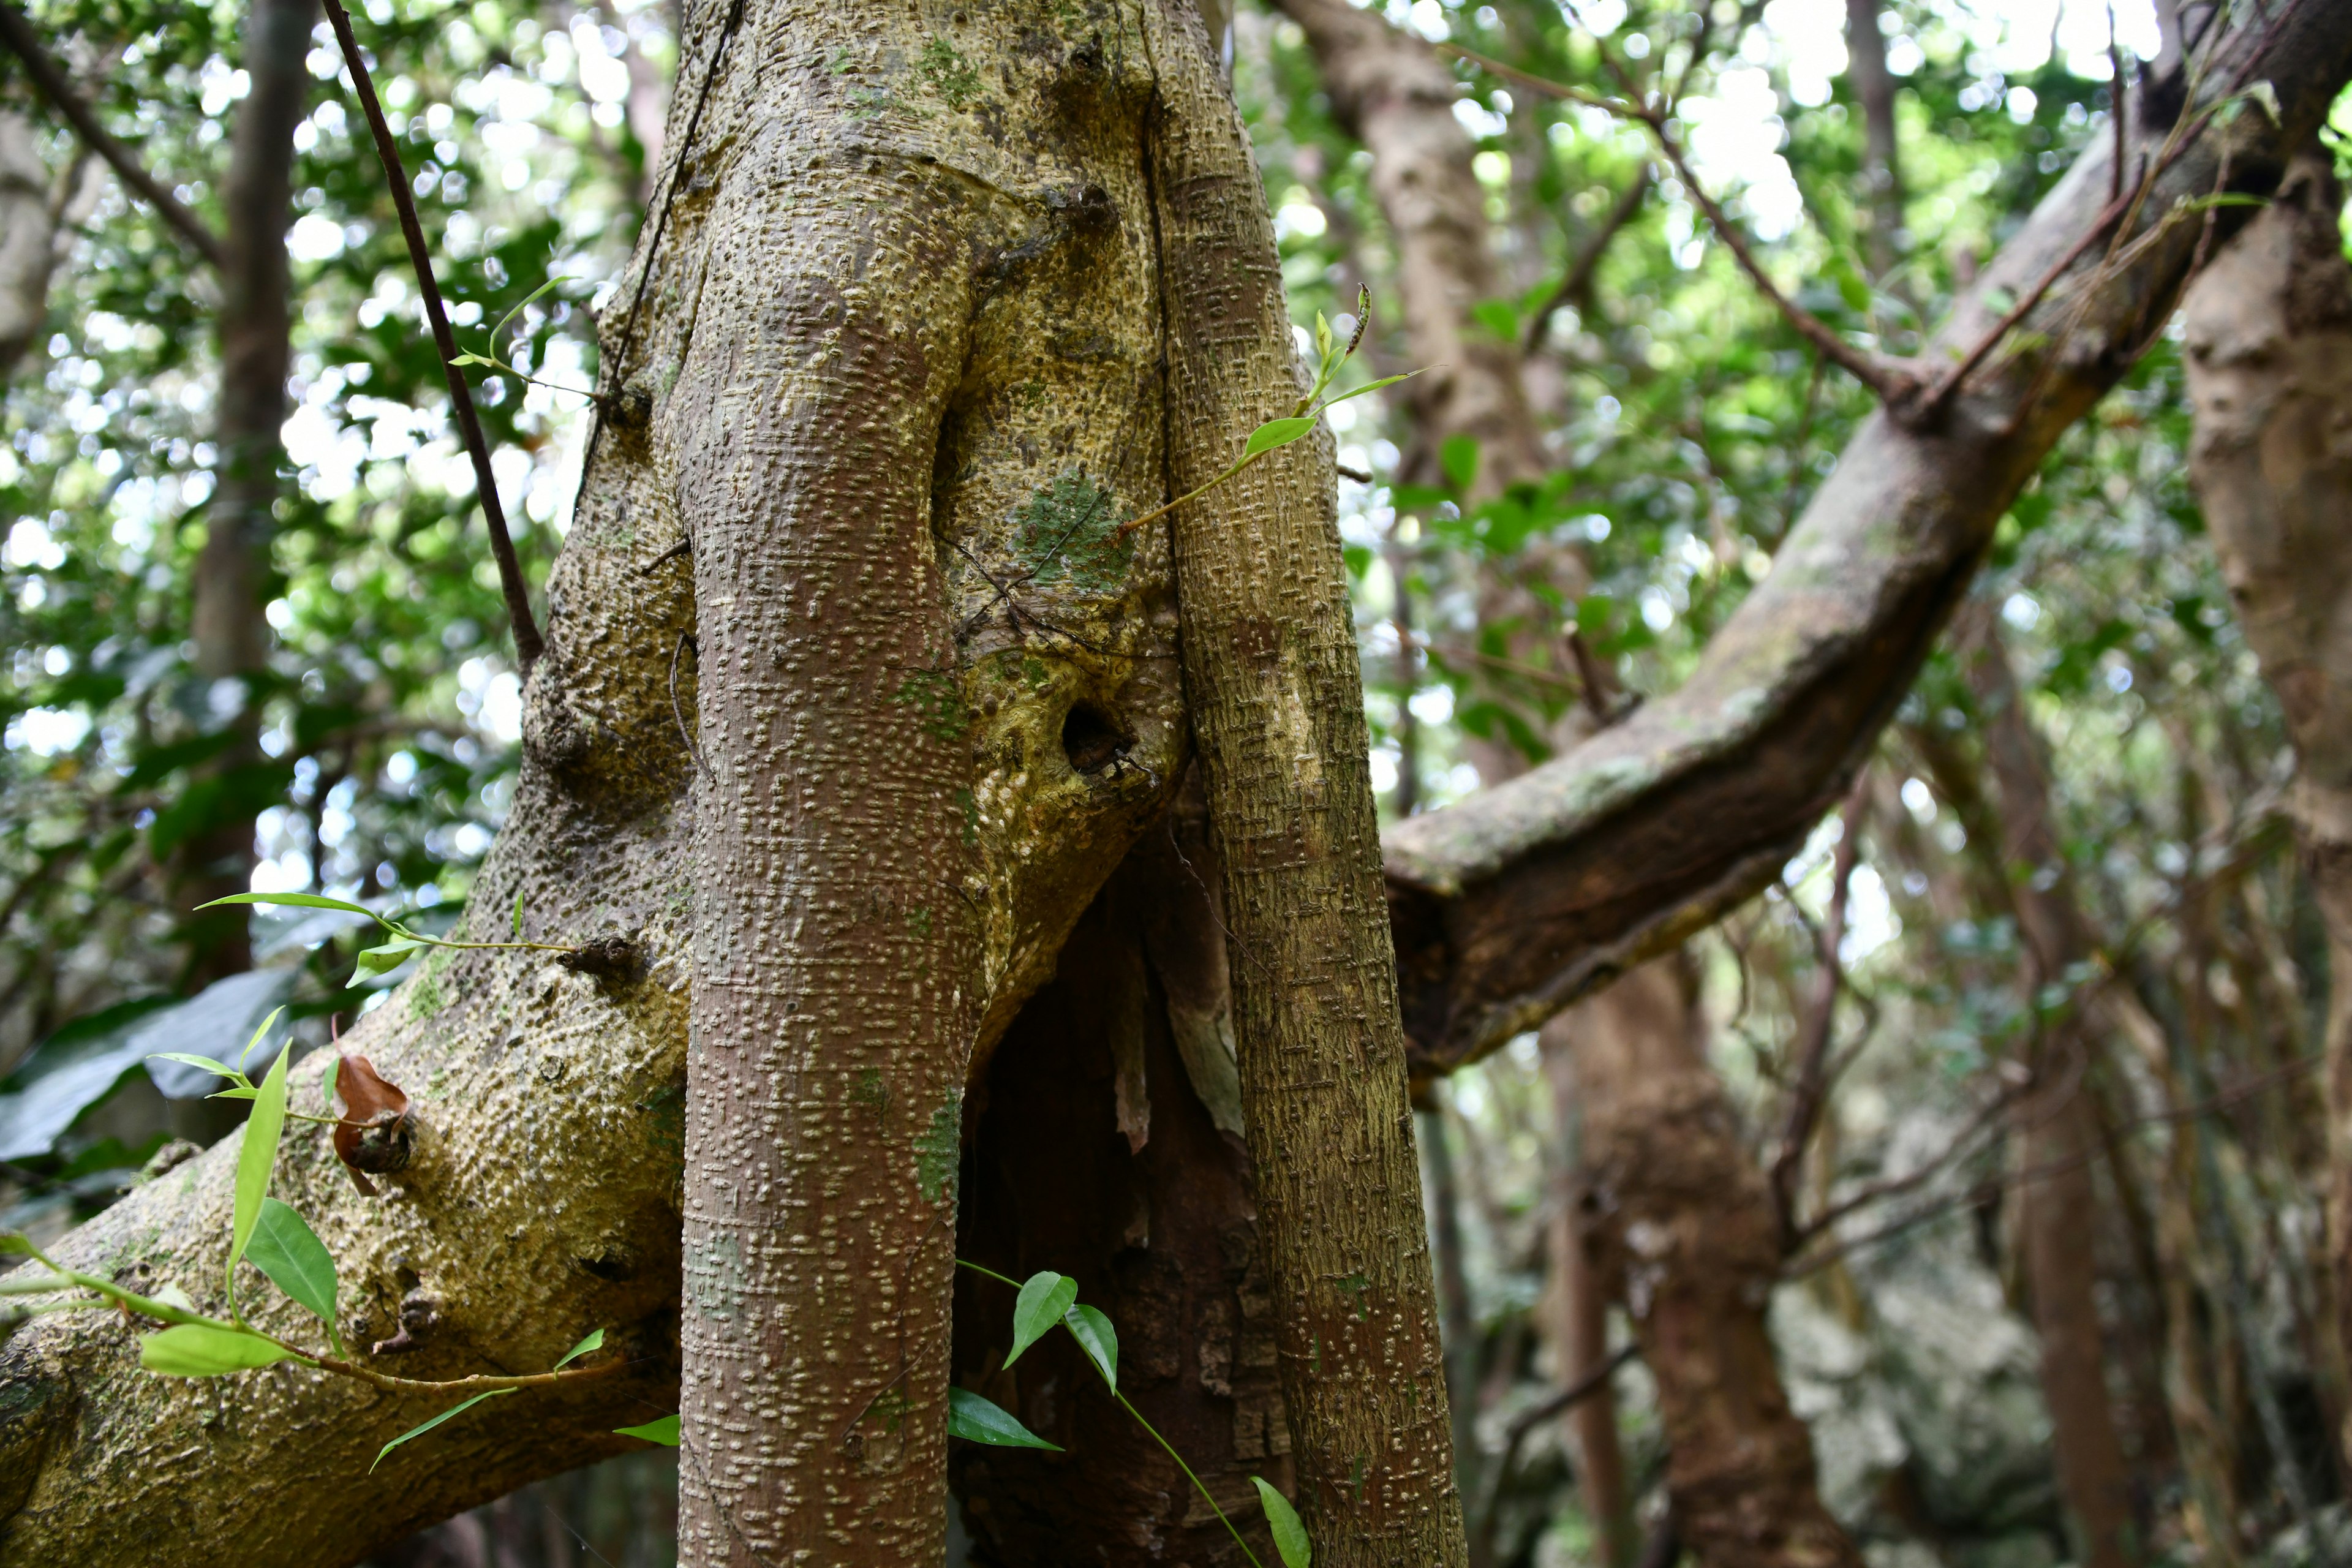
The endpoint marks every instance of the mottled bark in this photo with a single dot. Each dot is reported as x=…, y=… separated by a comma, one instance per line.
x=2058, y=1207
x=1515, y=902
x=1683, y=1221
x=1276, y=696
x=2270, y=374
x=254, y=327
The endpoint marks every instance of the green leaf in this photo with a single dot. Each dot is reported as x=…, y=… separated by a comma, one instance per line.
x=300, y=902
x=207, y=1063
x=390, y=956
x=1323, y=340
x=13, y=1243
x=976, y=1420
x=1043, y=1300
x=327, y=1083
x=1458, y=456
x=518, y=914
x=199, y=1349
x=664, y=1431
x=419, y=1430
x=240, y=1091
x=260, y=1029
x=594, y=1341
x=257, y=1157
x=1372, y=386
x=468, y=359
x=1289, y=1535
x=1275, y=433
x=518, y=311
x=286, y=1249
x=1097, y=1339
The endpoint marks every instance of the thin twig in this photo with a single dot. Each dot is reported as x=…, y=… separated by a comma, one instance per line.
x=525, y=627
x=1810, y=1092
x=1588, y=259
x=685, y=641
x=50, y=81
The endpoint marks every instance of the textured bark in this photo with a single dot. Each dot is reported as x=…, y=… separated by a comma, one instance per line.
x=254, y=328
x=1517, y=900
x=2059, y=1210
x=2269, y=375
x=1882, y=168
x=1683, y=1221
x=1392, y=93
x=1277, y=709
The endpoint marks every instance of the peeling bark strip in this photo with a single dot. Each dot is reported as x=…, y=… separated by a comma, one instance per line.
x=1523, y=897
x=1276, y=703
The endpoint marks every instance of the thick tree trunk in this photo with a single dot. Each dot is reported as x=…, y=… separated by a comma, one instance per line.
x=2058, y=1209
x=2270, y=374
x=542, y=1197
x=1277, y=699
x=1685, y=1226
x=232, y=638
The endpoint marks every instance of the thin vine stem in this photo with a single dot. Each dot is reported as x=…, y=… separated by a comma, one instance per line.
x=1197, y=1483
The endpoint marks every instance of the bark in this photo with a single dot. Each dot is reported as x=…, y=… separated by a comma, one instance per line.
x=255, y=327
x=1392, y=93
x=39, y=210
x=543, y=1195
x=2058, y=1211
x=1882, y=170
x=2269, y=375
x=1684, y=1222
x=1517, y=900
x=1276, y=703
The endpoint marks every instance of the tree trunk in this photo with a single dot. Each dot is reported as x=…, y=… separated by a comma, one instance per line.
x=40, y=211
x=542, y=1197
x=2269, y=375
x=1881, y=167
x=1579, y=1300
x=1685, y=1226
x=254, y=324
x=1277, y=699
x=2058, y=1209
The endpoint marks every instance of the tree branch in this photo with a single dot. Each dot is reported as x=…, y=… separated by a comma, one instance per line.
x=50, y=81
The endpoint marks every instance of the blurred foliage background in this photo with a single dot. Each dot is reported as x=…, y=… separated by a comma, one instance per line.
x=1685, y=426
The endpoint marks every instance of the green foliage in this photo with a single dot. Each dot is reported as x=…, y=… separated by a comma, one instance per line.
x=1096, y=1336
x=421, y=1427
x=594, y=1341
x=1290, y=1533
x=255, y=1157
x=200, y=1350
x=284, y=1247
x=976, y=1420
x=662, y=1430
x=1043, y=1299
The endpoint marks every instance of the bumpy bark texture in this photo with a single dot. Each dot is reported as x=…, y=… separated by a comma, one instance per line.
x=1515, y=902
x=1278, y=708
x=2270, y=374
x=1682, y=1221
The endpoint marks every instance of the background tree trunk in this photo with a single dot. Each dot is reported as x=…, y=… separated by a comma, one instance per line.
x=2270, y=374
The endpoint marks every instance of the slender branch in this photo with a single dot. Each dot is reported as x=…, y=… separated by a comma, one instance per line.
x=1588, y=259
x=1594, y=1380
x=526, y=639
x=1811, y=1089
x=50, y=81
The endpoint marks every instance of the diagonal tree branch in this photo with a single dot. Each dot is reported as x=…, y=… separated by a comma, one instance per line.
x=50, y=81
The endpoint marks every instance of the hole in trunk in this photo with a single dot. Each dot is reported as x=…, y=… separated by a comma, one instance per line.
x=1092, y=739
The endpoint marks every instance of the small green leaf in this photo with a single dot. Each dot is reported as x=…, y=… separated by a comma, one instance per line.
x=1097, y=1339
x=664, y=1431
x=1289, y=1535
x=1324, y=343
x=518, y=914
x=390, y=956
x=252, y=1045
x=594, y=1341
x=1458, y=456
x=518, y=311
x=14, y=1243
x=419, y=1431
x=467, y=359
x=300, y=902
x=199, y=1349
x=1043, y=1300
x=2264, y=93
x=172, y=1295
x=327, y=1083
x=287, y=1249
x=1372, y=386
x=1275, y=433
x=255, y=1157
x=207, y=1063
x=241, y=1091
x=976, y=1420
